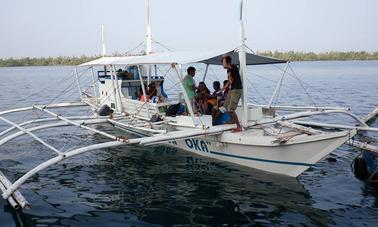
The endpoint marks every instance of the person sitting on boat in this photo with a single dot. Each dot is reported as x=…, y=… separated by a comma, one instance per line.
x=226, y=89
x=152, y=93
x=190, y=85
x=121, y=73
x=203, y=94
x=221, y=98
x=235, y=93
x=141, y=96
x=214, y=98
x=223, y=93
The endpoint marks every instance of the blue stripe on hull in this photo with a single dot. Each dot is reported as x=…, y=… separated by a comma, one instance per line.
x=262, y=160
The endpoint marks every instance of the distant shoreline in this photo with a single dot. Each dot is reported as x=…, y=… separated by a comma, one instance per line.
x=291, y=56
x=324, y=56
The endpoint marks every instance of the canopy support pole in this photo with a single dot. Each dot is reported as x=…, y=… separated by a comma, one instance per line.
x=94, y=83
x=205, y=74
x=144, y=92
x=118, y=90
x=113, y=87
x=78, y=84
x=279, y=83
x=186, y=97
x=156, y=74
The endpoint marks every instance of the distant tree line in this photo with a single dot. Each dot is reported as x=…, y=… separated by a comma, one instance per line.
x=48, y=61
x=325, y=56
x=290, y=55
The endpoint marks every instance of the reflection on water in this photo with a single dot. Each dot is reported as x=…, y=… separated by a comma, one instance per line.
x=164, y=186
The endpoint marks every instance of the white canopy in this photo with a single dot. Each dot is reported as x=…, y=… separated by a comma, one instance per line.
x=181, y=57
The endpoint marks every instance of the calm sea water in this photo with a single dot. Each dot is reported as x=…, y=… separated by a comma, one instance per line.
x=139, y=186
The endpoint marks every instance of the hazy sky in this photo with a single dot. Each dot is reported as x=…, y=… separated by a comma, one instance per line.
x=38, y=28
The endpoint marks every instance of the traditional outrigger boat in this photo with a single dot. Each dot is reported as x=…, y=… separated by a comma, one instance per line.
x=281, y=144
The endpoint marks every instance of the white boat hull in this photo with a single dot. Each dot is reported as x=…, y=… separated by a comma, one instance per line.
x=288, y=159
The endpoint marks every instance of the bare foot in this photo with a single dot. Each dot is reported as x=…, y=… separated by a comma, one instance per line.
x=237, y=130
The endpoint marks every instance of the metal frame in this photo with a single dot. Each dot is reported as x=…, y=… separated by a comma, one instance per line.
x=10, y=190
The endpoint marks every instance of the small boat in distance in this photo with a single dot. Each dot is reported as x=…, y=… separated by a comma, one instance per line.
x=283, y=144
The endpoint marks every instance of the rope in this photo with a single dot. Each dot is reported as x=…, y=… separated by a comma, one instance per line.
x=40, y=91
x=162, y=45
x=253, y=52
x=328, y=98
x=136, y=47
x=257, y=91
x=77, y=128
x=303, y=87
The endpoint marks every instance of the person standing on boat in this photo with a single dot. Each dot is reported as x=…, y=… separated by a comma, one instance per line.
x=235, y=93
x=190, y=85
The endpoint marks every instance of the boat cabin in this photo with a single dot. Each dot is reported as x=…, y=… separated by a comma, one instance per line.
x=129, y=81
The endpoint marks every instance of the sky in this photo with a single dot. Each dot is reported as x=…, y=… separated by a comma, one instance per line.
x=41, y=28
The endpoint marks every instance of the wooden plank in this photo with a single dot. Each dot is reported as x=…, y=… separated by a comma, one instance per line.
x=300, y=128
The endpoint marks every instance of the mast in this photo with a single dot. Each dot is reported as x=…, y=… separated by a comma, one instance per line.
x=149, y=35
x=103, y=46
x=148, y=41
x=243, y=67
x=103, y=40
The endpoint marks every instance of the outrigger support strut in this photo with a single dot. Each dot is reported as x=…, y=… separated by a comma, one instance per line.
x=15, y=198
x=10, y=190
x=44, y=109
x=13, y=187
x=306, y=114
x=32, y=135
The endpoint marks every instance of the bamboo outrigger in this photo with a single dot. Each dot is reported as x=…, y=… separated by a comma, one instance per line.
x=281, y=144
